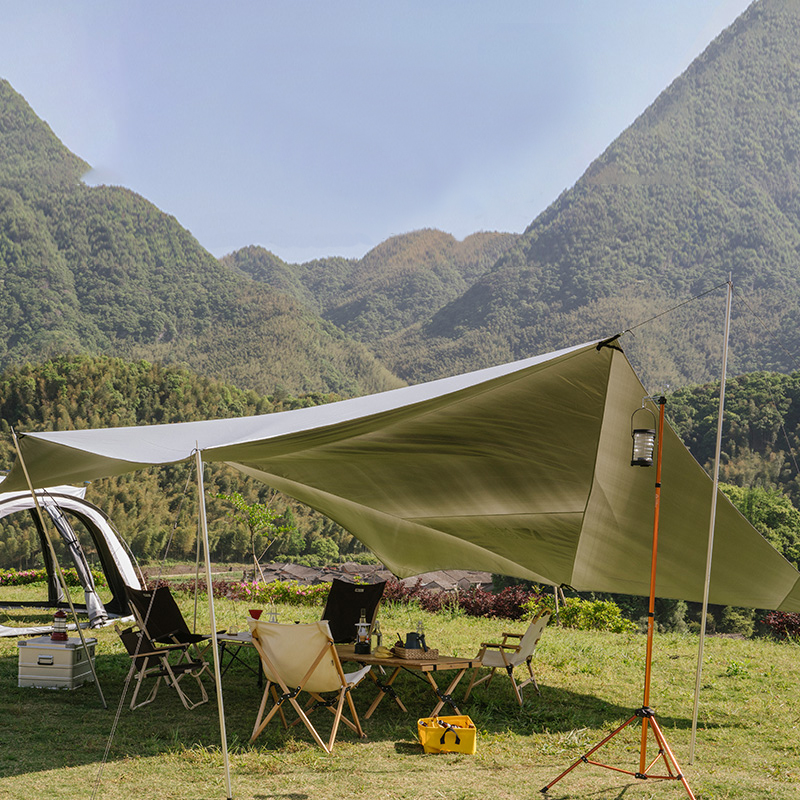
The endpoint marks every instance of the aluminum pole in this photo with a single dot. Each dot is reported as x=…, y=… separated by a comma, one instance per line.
x=217, y=674
x=712, y=523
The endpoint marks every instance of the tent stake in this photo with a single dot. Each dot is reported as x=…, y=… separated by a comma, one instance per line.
x=712, y=523
x=62, y=581
x=210, y=588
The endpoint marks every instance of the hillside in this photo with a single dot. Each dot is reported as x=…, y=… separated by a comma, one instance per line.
x=395, y=285
x=102, y=270
x=704, y=182
x=151, y=508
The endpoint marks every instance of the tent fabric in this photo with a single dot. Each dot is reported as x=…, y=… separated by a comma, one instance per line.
x=521, y=469
x=61, y=503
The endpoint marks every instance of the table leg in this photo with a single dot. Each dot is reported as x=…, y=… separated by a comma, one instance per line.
x=447, y=695
x=384, y=689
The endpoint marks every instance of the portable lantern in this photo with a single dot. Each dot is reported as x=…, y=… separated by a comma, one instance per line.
x=59, y=633
x=362, y=634
x=644, y=440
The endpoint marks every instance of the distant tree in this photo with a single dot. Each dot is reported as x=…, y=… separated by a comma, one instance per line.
x=264, y=524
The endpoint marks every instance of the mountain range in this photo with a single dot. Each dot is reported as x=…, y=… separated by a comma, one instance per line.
x=703, y=185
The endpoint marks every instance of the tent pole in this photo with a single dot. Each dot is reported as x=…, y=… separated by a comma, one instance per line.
x=712, y=523
x=210, y=588
x=62, y=581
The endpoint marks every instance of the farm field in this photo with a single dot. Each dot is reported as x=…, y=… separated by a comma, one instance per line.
x=58, y=744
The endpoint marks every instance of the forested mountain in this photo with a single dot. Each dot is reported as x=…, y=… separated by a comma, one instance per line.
x=155, y=510
x=705, y=182
x=398, y=283
x=101, y=270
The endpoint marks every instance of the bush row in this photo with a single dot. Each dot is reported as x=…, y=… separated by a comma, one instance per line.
x=513, y=602
x=23, y=577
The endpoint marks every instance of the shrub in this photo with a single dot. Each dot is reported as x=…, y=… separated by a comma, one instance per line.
x=12, y=577
x=783, y=625
x=288, y=592
x=474, y=602
x=574, y=612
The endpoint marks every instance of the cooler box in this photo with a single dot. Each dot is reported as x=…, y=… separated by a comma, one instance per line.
x=55, y=665
x=447, y=734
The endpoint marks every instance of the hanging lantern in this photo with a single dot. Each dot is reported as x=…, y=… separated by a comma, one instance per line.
x=644, y=441
x=59, y=633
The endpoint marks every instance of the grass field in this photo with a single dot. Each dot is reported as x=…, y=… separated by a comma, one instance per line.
x=57, y=744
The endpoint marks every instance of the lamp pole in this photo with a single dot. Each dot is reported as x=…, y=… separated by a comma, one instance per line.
x=643, y=456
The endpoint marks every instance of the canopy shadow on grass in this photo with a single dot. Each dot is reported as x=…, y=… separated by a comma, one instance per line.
x=41, y=716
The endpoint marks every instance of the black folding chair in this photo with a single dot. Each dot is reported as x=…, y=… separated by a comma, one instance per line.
x=147, y=661
x=344, y=605
x=158, y=615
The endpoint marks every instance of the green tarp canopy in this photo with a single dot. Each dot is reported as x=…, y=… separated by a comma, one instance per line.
x=521, y=469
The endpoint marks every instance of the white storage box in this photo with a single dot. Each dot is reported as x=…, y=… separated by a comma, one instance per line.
x=55, y=665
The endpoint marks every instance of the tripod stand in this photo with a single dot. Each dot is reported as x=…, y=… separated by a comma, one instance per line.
x=645, y=713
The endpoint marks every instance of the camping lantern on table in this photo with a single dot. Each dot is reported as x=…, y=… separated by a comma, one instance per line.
x=362, y=633
x=59, y=633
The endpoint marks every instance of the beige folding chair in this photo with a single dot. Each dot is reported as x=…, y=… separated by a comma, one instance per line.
x=303, y=658
x=507, y=656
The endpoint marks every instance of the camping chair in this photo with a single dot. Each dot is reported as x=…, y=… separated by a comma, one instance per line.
x=158, y=615
x=147, y=660
x=507, y=655
x=344, y=604
x=302, y=658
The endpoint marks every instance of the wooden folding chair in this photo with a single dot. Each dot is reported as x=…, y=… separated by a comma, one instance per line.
x=147, y=661
x=507, y=655
x=303, y=658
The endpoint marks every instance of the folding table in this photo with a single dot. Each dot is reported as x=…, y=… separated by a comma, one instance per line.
x=424, y=668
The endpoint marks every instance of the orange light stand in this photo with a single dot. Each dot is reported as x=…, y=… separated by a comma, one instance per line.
x=645, y=713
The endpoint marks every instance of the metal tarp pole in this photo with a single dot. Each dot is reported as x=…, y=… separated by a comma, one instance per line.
x=712, y=523
x=210, y=588
x=60, y=574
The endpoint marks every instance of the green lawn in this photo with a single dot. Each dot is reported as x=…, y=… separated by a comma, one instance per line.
x=53, y=742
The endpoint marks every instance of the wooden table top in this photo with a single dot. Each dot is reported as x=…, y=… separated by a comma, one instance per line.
x=347, y=653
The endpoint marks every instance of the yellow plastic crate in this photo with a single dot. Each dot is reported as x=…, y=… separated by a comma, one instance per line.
x=447, y=734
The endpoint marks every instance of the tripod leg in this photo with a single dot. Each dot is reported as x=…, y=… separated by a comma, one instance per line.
x=669, y=756
x=585, y=757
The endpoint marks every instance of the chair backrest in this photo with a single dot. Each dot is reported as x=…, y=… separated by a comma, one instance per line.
x=291, y=651
x=157, y=612
x=136, y=642
x=344, y=604
x=530, y=639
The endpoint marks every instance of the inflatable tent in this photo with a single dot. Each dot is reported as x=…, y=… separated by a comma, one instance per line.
x=64, y=505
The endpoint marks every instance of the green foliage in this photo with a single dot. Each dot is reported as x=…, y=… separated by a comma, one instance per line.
x=13, y=577
x=289, y=593
x=264, y=525
x=392, y=287
x=585, y=615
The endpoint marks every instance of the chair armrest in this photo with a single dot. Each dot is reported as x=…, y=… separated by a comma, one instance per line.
x=513, y=635
x=501, y=646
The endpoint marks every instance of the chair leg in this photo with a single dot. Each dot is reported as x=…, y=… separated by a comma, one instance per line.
x=510, y=671
x=140, y=676
x=473, y=683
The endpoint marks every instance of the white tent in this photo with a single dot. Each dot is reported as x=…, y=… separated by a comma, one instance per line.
x=521, y=469
x=64, y=505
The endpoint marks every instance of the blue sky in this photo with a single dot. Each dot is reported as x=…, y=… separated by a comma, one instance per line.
x=320, y=128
